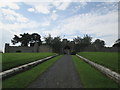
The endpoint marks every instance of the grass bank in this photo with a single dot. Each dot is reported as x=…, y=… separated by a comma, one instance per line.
x=108, y=59
x=23, y=79
x=10, y=60
x=90, y=77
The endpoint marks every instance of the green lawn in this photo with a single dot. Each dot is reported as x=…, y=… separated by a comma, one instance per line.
x=107, y=59
x=23, y=79
x=90, y=77
x=0, y=63
x=10, y=60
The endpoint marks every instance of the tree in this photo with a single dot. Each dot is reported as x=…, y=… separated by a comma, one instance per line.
x=77, y=42
x=35, y=38
x=16, y=39
x=56, y=44
x=99, y=43
x=117, y=43
x=26, y=38
x=48, y=40
x=82, y=43
x=86, y=41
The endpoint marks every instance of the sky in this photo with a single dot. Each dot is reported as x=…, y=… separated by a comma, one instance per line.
x=65, y=19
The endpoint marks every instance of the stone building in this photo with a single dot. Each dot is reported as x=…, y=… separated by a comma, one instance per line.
x=67, y=48
x=25, y=49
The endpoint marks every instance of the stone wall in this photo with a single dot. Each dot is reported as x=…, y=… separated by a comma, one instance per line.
x=13, y=49
x=109, y=49
x=45, y=48
x=25, y=49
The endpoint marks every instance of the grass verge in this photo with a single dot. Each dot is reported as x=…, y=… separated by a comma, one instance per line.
x=10, y=60
x=90, y=77
x=23, y=79
x=0, y=70
x=108, y=59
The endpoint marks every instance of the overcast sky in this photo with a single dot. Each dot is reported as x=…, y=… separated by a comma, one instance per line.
x=72, y=19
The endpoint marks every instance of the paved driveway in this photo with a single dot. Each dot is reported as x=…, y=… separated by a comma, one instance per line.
x=60, y=75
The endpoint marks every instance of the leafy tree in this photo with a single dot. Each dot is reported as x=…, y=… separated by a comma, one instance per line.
x=77, y=42
x=16, y=39
x=117, y=43
x=56, y=44
x=86, y=41
x=99, y=43
x=25, y=39
x=82, y=43
x=48, y=40
x=35, y=38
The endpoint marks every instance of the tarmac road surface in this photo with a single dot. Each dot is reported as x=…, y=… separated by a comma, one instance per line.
x=62, y=74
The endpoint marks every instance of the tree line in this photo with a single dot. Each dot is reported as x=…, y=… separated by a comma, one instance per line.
x=80, y=43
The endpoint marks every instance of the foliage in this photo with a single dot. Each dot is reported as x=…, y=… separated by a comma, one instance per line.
x=86, y=41
x=55, y=43
x=90, y=77
x=26, y=38
x=73, y=53
x=82, y=43
x=35, y=38
x=48, y=40
x=117, y=43
x=99, y=43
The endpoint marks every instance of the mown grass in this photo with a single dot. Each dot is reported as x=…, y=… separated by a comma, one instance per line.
x=0, y=70
x=0, y=61
x=90, y=77
x=10, y=60
x=23, y=79
x=108, y=59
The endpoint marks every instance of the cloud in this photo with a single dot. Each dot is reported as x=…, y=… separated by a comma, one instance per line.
x=81, y=5
x=63, y=6
x=31, y=9
x=103, y=26
x=12, y=16
x=20, y=26
x=11, y=5
x=56, y=3
x=46, y=23
x=41, y=7
x=9, y=30
x=100, y=25
x=14, y=22
x=54, y=16
x=45, y=7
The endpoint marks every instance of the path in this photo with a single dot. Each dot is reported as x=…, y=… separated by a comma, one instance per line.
x=61, y=75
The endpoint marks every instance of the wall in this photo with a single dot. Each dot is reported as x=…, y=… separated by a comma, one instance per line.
x=44, y=48
x=110, y=49
x=14, y=49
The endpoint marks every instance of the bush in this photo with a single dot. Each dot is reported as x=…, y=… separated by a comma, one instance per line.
x=73, y=53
